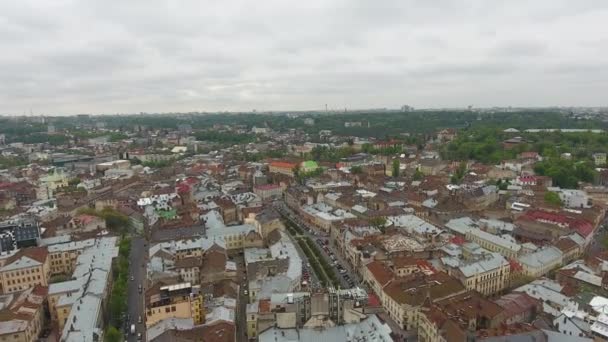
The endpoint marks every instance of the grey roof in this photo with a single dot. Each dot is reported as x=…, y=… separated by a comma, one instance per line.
x=541, y=257
x=21, y=263
x=169, y=324
x=370, y=329
x=488, y=263
x=495, y=239
x=92, y=272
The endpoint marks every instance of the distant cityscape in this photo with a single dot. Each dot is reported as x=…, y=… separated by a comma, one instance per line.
x=388, y=225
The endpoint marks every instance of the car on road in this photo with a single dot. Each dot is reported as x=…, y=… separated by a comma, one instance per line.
x=132, y=278
x=139, y=288
x=139, y=320
x=139, y=336
x=245, y=292
x=132, y=329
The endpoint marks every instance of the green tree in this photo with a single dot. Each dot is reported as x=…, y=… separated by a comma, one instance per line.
x=396, y=167
x=378, y=222
x=356, y=170
x=418, y=175
x=112, y=334
x=552, y=198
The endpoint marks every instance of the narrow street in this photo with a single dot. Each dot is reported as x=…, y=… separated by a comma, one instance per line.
x=241, y=310
x=135, y=298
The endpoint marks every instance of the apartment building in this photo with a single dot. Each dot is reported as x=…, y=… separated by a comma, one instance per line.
x=541, y=262
x=479, y=269
x=506, y=246
x=22, y=314
x=26, y=268
x=402, y=298
x=453, y=319
x=63, y=256
x=179, y=300
x=78, y=304
x=282, y=167
x=267, y=191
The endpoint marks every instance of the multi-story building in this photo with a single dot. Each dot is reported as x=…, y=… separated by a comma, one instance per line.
x=267, y=191
x=50, y=183
x=458, y=317
x=479, y=270
x=63, y=256
x=78, y=304
x=282, y=167
x=26, y=268
x=18, y=233
x=22, y=314
x=189, y=269
x=506, y=246
x=541, y=262
x=179, y=300
x=266, y=221
x=403, y=298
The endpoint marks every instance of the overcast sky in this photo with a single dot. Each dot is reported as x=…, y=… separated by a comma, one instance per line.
x=125, y=56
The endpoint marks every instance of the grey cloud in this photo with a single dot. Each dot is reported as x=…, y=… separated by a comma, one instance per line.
x=160, y=55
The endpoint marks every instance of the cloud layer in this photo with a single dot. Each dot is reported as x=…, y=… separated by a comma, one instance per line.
x=70, y=56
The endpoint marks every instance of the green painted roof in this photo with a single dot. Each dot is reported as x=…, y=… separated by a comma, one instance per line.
x=167, y=214
x=310, y=164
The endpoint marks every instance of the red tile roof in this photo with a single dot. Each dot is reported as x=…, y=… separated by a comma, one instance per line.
x=267, y=186
x=380, y=272
x=581, y=226
x=283, y=164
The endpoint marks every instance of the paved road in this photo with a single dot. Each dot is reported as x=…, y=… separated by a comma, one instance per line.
x=310, y=231
x=135, y=299
x=241, y=310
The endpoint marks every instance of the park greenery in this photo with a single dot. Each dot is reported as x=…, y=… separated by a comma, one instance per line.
x=566, y=173
x=382, y=124
x=323, y=270
x=552, y=198
x=13, y=161
x=459, y=173
x=324, y=153
x=225, y=137
x=485, y=145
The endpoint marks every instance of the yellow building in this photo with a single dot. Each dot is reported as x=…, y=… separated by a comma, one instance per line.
x=179, y=301
x=63, y=256
x=403, y=297
x=234, y=236
x=22, y=316
x=488, y=274
x=27, y=268
x=504, y=246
